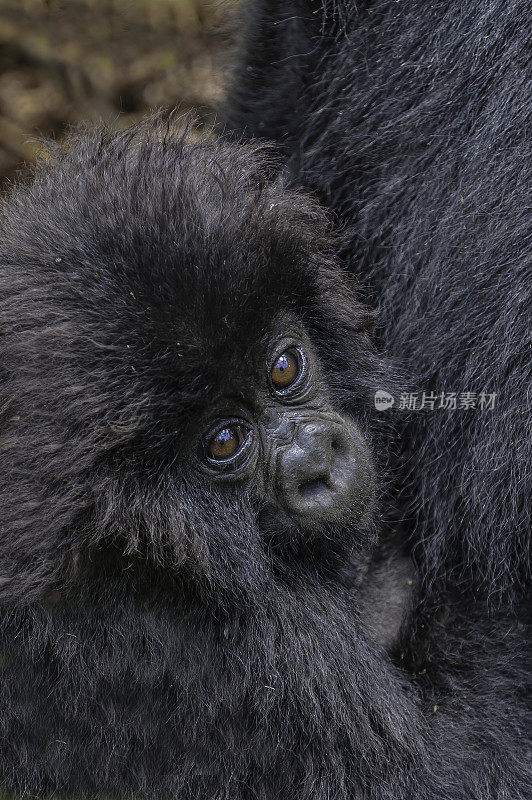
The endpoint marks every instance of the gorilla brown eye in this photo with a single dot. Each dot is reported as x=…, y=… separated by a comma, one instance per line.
x=227, y=442
x=286, y=369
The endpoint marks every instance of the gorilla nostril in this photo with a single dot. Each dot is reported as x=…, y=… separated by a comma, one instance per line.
x=338, y=444
x=312, y=488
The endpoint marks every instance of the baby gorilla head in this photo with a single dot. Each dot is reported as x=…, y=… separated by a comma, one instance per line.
x=286, y=439
x=274, y=431
x=185, y=374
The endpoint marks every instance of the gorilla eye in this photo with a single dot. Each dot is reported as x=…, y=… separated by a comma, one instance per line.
x=287, y=369
x=228, y=441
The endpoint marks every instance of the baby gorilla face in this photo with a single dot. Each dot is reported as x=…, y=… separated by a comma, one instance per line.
x=185, y=372
x=288, y=441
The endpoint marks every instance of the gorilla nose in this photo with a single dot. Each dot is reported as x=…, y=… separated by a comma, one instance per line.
x=318, y=470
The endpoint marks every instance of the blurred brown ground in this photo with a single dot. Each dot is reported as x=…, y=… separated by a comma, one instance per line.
x=67, y=61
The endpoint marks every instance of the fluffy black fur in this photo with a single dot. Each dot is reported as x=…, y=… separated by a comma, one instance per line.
x=156, y=639
x=412, y=122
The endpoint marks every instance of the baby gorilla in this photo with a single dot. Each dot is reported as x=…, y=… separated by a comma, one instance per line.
x=186, y=472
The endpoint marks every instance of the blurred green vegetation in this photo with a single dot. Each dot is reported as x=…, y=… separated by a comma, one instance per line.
x=67, y=61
